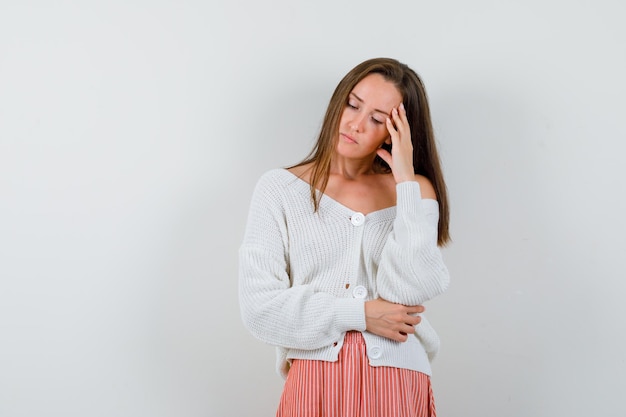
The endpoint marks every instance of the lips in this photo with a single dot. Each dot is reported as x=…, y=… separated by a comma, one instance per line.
x=348, y=138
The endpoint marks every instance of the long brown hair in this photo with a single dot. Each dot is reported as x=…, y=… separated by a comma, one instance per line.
x=425, y=156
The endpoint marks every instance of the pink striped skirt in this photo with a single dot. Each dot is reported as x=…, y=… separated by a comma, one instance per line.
x=351, y=387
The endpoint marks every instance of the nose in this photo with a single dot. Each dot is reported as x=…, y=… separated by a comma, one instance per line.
x=357, y=123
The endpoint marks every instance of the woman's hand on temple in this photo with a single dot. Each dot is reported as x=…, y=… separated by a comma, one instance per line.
x=400, y=159
x=393, y=321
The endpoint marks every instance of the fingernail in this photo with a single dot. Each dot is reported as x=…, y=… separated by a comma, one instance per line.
x=402, y=106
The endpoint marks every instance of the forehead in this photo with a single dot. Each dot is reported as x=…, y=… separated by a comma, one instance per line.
x=374, y=90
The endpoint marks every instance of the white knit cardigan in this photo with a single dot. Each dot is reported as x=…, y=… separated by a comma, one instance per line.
x=301, y=273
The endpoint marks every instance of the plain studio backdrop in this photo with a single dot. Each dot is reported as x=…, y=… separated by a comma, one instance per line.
x=132, y=134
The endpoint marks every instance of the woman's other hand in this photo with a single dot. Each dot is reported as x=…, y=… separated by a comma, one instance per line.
x=400, y=159
x=393, y=321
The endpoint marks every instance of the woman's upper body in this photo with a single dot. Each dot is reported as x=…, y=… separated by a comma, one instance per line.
x=339, y=243
x=306, y=277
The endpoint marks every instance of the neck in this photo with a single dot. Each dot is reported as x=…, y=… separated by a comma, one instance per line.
x=351, y=168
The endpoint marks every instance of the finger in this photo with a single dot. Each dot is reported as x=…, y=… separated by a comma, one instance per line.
x=403, y=115
x=409, y=329
x=400, y=321
x=395, y=116
x=400, y=337
x=412, y=320
x=385, y=156
x=415, y=309
x=391, y=128
x=394, y=135
x=400, y=119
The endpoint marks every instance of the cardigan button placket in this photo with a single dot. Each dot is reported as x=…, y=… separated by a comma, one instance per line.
x=357, y=219
x=359, y=292
x=375, y=352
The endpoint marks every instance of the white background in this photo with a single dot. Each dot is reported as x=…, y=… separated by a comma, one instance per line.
x=133, y=132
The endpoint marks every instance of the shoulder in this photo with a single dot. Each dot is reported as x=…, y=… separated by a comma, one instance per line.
x=275, y=176
x=426, y=187
x=279, y=186
x=272, y=182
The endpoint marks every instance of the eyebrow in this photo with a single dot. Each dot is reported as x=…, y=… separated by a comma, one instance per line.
x=376, y=110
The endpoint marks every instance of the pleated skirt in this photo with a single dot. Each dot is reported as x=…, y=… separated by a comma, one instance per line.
x=351, y=387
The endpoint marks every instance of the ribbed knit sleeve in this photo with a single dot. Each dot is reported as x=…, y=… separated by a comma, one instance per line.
x=411, y=270
x=272, y=309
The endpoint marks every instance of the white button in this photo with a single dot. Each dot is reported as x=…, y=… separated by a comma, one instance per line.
x=357, y=219
x=359, y=292
x=375, y=352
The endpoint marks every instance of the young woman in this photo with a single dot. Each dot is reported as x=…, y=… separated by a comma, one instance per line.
x=342, y=249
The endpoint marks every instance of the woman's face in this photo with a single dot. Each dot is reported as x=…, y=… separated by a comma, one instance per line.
x=362, y=128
